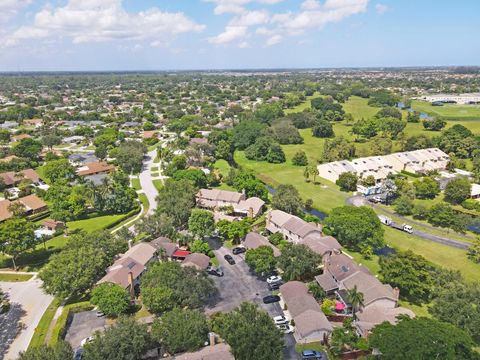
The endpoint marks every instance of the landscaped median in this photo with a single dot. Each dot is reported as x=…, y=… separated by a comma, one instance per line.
x=13, y=277
x=40, y=333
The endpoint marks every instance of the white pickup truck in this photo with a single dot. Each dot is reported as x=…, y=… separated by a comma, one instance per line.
x=385, y=220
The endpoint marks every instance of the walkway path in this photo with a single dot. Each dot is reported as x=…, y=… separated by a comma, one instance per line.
x=361, y=201
x=146, y=181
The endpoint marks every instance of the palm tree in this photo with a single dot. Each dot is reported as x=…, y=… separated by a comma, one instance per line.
x=355, y=298
x=314, y=172
x=306, y=173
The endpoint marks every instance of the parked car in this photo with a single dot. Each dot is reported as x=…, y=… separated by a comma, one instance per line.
x=312, y=354
x=86, y=341
x=274, y=286
x=286, y=328
x=215, y=271
x=229, y=259
x=78, y=355
x=238, y=250
x=280, y=320
x=99, y=313
x=269, y=299
x=274, y=279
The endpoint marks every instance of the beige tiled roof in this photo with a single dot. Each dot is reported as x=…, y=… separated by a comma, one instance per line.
x=254, y=240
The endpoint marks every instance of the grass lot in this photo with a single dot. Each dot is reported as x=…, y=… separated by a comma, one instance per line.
x=95, y=223
x=451, y=112
x=15, y=277
x=222, y=166
x=317, y=346
x=136, y=184
x=154, y=169
x=305, y=105
x=158, y=183
x=359, y=108
x=155, y=174
x=40, y=334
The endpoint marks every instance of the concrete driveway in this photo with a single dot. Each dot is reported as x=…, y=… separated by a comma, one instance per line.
x=239, y=284
x=83, y=325
x=28, y=303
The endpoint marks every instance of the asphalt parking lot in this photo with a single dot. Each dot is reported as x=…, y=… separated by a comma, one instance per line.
x=83, y=325
x=239, y=284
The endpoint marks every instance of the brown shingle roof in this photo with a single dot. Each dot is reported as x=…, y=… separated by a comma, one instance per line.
x=199, y=261
x=321, y=244
x=118, y=272
x=216, y=352
x=94, y=168
x=311, y=321
x=142, y=253
x=33, y=202
x=254, y=240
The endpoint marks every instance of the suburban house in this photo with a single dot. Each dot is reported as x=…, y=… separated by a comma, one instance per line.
x=322, y=245
x=53, y=225
x=20, y=137
x=290, y=226
x=73, y=140
x=165, y=247
x=475, y=191
x=311, y=324
x=11, y=178
x=127, y=270
x=81, y=159
x=149, y=134
x=254, y=240
x=32, y=203
x=198, y=141
x=33, y=122
x=372, y=316
x=215, y=199
x=417, y=162
x=197, y=260
x=95, y=168
x=212, y=351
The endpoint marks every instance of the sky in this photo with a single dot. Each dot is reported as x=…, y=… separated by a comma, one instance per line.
x=102, y=35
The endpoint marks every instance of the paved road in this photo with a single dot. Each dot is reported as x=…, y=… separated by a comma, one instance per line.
x=238, y=285
x=146, y=181
x=360, y=201
x=30, y=302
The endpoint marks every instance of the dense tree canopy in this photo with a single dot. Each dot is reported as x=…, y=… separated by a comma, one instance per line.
x=250, y=332
x=287, y=198
x=111, y=299
x=181, y=330
x=356, y=227
x=16, y=236
x=457, y=191
x=299, y=262
x=261, y=259
x=126, y=339
x=176, y=199
x=201, y=223
x=61, y=351
x=167, y=285
x=411, y=273
x=422, y=338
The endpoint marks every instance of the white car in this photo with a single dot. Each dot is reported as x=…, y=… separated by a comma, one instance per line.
x=86, y=341
x=286, y=328
x=280, y=320
x=274, y=279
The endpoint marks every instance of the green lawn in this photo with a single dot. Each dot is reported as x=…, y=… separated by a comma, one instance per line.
x=304, y=105
x=158, y=183
x=317, y=346
x=154, y=168
x=222, y=166
x=15, y=277
x=451, y=112
x=155, y=174
x=359, y=108
x=40, y=334
x=136, y=184
x=95, y=223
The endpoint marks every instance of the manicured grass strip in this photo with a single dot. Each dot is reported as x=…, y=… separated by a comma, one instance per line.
x=136, y=184
x=15, y=277
x=158, y=183
x=304, y=105
x=317, y=346
x=155, y=174
x=154, y=168
x=95, y=223
x=40, y=333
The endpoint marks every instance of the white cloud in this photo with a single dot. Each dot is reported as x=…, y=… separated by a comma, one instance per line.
x=231, y=33
x=11, y=8
x=313, y=14
x=103, y=20
x=236, y=6
x=274, y=40
x=381, y=8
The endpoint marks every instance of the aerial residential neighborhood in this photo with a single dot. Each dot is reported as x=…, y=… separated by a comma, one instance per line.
x=239, y=179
